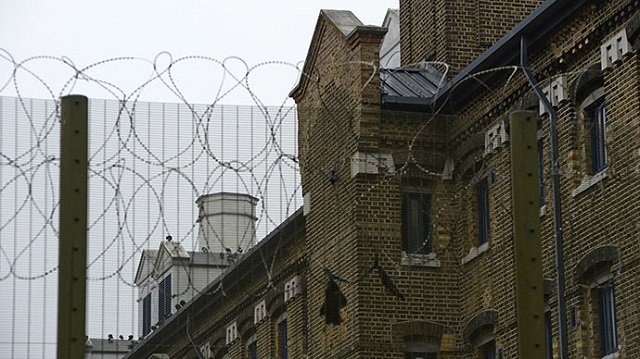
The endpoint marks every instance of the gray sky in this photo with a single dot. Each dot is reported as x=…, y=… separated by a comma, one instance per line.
x=91, y=31
x=88, y=32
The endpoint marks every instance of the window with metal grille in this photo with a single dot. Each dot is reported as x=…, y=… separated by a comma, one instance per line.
x=597, y=126
x=253, y=350
x=164, y=299
x=146, y=315
x=607, y=319
x=488, y=350
x=416, y=223
x=482, y=199
x=548, y=334
x=282, y=332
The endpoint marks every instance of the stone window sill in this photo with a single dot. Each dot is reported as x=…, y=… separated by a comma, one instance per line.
x=589, y=181
x=475, y=252
x=420, y=260
x=615, y=355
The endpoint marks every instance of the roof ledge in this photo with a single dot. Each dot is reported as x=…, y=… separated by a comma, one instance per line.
x=365, y=32
x=343, y=20
x=353, y=30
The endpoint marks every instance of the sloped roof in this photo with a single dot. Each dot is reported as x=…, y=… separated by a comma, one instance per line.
x=148, y=257
x=390, y=14
x=280, y=236
x=390, y=54
x=506, y=51
x=344, y=20
x=175, y=249
x=348, y=25
x=411, y=86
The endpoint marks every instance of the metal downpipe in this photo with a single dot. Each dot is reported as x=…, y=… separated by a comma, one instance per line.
x=557, y=205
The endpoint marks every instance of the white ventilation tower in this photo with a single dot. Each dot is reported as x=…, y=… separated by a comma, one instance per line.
x=227, y=220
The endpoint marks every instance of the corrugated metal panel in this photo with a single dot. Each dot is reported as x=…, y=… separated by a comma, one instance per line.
x=423, y=83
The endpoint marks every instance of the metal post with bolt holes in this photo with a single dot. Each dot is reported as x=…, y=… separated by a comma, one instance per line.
x=526, y=231
x=73, y=227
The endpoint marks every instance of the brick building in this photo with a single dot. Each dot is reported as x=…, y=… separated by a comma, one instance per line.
x=406, y=246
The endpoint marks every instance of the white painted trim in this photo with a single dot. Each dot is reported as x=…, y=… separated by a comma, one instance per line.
x=589, y=181
x=475, y=252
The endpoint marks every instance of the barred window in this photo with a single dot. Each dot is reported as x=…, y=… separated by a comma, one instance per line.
x=283, y=344
x=488, y=350
x=416, y=223
x=597, y=132
x=164, y=299
x=482, y=200
x=146, y=315
x=548, y=334
x=607, y=329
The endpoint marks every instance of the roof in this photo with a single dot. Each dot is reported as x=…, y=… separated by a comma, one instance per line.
x=391, y=13
x=205, y=300
x=411, y=86
x=174, y=249
x=506, y=51
x=390, y=47
x=345, y=21
x=348, y=25
x=148, y=256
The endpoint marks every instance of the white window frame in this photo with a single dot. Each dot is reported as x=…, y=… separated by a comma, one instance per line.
x=259, y=312
x=231, y=333
x=291, y=288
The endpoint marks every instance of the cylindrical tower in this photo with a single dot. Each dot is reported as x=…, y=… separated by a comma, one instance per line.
x=227, y=221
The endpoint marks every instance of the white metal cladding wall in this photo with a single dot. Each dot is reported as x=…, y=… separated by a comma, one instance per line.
x=149, y=162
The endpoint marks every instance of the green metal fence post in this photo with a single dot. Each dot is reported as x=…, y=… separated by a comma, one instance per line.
x=526, y=230
x=73, y=227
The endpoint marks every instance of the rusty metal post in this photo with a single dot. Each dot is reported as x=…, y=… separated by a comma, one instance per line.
x=526, y=231
x=73, y=227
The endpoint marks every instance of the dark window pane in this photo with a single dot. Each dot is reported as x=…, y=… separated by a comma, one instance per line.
x=164, y=299
x=146, y=315
x=597, y=122
x=548, y=334
x=482, y=193
x=488, y=350
x=607, y=316
x=416, y=223
x=253, y=350
x=282, y=329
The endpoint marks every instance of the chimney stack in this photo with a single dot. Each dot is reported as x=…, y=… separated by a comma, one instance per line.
x=227, y=221
x=456, y=31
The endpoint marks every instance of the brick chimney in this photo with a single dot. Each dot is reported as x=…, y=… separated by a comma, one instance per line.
x=456, y=31
x=227, y=221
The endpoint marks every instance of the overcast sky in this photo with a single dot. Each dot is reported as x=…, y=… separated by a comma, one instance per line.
x=89, y=31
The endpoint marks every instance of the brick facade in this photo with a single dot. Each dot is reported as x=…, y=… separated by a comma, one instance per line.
x=472, y=282
x=455, y=32
x=459, y=299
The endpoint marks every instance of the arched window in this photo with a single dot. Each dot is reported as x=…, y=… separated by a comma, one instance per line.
x=595, y=115
x=480, y=333
x=594, y=272
x=421, y=338
x=590, y=97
